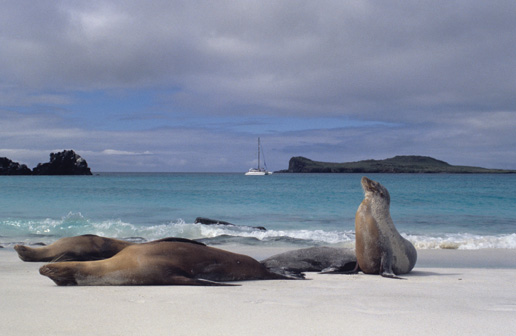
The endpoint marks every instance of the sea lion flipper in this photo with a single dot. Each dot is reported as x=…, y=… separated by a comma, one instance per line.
x=285, y=274
x=386, y=267
x=23, y=252
x=386, y=264
x=180, y=280
x=346, y=269
x=392, y=276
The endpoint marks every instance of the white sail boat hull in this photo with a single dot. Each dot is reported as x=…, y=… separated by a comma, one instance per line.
x=258, y=171
x=255, y=172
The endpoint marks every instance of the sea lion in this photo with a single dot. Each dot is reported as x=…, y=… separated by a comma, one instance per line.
x=312, y=259
x=380, y=249
x=163, y=262
x=78, y=248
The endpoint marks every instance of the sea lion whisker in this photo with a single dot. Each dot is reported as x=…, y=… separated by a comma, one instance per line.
x=58, y=258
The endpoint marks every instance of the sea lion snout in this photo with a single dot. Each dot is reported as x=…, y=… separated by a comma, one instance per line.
x=368, y=185
x=374, y=187
x=45, y=270
x=365, y=180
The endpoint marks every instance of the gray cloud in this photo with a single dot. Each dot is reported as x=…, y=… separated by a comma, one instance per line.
x=320, y=54
x=442, y=71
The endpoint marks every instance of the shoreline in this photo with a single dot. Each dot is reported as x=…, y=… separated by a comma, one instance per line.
x=467, y=292
x=441, y=258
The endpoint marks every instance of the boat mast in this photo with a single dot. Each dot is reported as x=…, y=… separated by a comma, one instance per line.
x=258, y=153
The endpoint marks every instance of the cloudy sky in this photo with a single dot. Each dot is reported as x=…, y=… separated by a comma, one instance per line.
x=189, y=85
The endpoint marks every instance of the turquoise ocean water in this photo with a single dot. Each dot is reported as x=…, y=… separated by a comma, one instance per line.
x=433, y=211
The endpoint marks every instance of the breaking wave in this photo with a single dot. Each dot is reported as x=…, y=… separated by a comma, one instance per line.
x=35, y=231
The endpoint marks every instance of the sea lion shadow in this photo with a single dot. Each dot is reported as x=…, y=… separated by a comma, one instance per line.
x=426, y=274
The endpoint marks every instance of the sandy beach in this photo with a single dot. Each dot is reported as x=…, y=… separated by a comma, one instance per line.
x=450, y=292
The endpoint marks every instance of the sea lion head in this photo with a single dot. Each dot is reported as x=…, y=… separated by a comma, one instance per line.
x=375, y=189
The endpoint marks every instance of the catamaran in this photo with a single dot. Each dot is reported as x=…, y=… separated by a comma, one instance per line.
x=259, y=171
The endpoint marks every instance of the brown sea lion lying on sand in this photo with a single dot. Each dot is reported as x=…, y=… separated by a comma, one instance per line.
x=78, y=248
x=161, y=262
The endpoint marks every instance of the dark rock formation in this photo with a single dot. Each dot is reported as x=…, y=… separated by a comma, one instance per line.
x=8, y=167
x=208, y=221
x=397, y=164
x=63, y=163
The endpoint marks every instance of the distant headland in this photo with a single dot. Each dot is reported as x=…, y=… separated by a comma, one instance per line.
x=397, y=164
x=66, y=162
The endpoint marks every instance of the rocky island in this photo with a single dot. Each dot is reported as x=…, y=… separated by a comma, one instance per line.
x=9, y=167
x=66, y=162
x=397, y=164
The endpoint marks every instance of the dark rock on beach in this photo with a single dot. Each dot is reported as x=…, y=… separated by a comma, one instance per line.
x=209, y=221
x=312, y=259
x=9, y=167
x=63, y=163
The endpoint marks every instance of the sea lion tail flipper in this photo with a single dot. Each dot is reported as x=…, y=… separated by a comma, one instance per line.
x=60, y=273
x=23, y=252
x=180, y=280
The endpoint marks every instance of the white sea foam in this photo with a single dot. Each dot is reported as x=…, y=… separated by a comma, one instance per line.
x=48, y=230
x=463, y=241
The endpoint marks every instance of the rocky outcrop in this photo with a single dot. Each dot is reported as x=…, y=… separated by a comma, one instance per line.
x=9, y=167
x=63, y=163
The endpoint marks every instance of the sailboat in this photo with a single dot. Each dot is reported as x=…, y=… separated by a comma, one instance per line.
x=259, y=171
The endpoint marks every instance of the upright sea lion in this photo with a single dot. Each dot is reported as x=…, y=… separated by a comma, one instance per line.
x=85, y=247
x=163, y=262
x=380, y=249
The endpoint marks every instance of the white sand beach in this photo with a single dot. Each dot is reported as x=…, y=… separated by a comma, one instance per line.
x=450, y=292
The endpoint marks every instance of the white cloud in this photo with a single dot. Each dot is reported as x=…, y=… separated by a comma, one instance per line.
x=120, y=152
